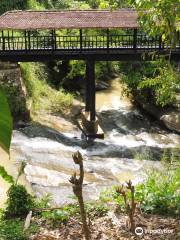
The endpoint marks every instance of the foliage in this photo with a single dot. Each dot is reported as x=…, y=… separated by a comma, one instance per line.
x=171, y=156
x=107, y=4
x=8, y=178
x=157, y=81
x=19, y=201
x=56, y=216
x=159, y=193
x=43, y=96
x=159, y=18
x=96, y=209
x=61, y=215
x=163, y=85
x=43, y=202
x=7, y=5
x=12, y=229
x=5, y=122
x=34, y=4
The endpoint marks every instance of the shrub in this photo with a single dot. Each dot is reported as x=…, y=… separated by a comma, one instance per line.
x=12, y=229
x=19, y=202
x=156, y=80
x=160, y=192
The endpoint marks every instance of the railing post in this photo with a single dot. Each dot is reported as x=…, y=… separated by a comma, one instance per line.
x=53, y=39
x=29, y=40
x=160, y=42
x=25, y=39
x=9, y=46
x=81, y=39
x=3, y=42
x=135, y=39
x=107, y=32
x=54, y=33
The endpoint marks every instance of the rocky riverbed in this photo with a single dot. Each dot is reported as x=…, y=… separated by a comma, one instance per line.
x=133, y=143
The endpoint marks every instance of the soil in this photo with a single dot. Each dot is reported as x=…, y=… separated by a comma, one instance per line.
x=154, y=227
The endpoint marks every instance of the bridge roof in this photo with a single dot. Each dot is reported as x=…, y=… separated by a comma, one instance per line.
x=69, y=19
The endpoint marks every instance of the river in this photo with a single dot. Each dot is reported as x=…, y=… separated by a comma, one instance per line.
x=133, y=144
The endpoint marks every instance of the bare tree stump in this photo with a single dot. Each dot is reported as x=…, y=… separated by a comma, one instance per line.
x=77, y=189
x=130, y=205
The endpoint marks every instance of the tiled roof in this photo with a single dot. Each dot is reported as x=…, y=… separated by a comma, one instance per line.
x=68, y=19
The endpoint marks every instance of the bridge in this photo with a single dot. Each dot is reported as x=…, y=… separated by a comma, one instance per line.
x=64, y=35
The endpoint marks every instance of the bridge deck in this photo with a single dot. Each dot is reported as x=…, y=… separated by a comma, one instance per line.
x=99, y=47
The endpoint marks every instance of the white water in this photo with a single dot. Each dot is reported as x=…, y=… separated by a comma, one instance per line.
x=129, y=136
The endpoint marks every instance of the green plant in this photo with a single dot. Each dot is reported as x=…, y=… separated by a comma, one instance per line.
x=5, y=122
x=41, y=94
x=43, y=202
x=155, y=82
x=160, y=192
x=13, y=229
x=19, y=202
x=164, y=12
x=171, y=156
x=8, y=178
x=56, y=216
x=163, y=85
x=96, y=209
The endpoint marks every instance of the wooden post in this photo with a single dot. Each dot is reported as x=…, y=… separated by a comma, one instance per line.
x=135, y=39
x=3, y=41
x=12, y=39
x=25, y=33
x=52, y=39
x=160, y=42
x=107, y=32
x=91, y=89
x=81, y=39
x=54, y=34
x=88, y=93
x=29, y=40
x=9, y=46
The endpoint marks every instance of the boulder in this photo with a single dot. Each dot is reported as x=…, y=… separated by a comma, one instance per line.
x=171, y=120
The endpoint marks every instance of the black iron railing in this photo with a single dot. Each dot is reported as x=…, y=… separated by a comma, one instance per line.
x=81, y=42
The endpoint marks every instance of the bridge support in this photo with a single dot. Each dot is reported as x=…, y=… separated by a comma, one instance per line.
x=91, y=89
x=90, y=124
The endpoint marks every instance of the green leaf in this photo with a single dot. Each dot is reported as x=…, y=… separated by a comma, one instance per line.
x=8, y=178
x=5, y=123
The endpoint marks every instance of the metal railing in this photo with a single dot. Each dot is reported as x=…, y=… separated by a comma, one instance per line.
x=89, y=42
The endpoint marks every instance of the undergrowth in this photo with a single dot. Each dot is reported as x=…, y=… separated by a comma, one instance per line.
x=42, y=96
x=157, y=194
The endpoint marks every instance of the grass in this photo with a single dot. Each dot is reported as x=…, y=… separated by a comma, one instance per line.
x=41, y=96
